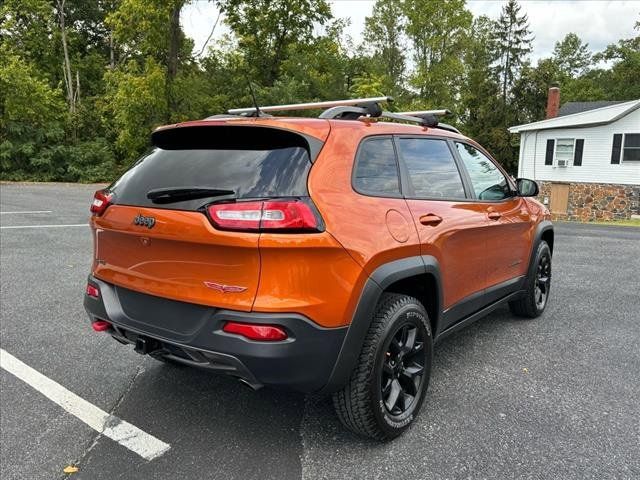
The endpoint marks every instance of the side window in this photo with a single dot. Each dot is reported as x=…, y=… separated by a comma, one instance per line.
x=487, y=180
x=431, y=167
x=376, y=168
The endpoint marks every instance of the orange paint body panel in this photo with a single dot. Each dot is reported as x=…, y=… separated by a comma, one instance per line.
x=176, y=257
x=308, y=274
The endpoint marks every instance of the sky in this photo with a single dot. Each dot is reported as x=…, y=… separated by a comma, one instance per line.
x=598, y=23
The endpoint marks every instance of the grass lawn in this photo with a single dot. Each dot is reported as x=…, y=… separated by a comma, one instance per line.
x=634, y=222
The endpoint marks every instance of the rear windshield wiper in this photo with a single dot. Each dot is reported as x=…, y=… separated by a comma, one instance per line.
x=178, y=194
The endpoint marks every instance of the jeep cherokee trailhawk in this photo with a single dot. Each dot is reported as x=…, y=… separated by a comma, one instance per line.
x=321, y=254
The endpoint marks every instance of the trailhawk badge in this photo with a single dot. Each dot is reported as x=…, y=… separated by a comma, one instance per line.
x=225, y=288
x=143, y=221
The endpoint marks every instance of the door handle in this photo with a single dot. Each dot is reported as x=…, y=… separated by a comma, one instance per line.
x=430, y=219
x=494, y=215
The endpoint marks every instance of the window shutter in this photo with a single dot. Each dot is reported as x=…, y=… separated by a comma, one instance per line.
x=577, y=154
x=548, y=159
x=617, y=146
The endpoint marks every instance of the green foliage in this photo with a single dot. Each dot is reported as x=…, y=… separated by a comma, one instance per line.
x=132, y=69
x=439, y=32
x=384, y=35
x=267, y=28
x=572, y=56
x=33, y=116
x=135, y=102
x=513, y=44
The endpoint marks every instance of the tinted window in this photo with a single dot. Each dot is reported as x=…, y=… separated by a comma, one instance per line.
x=250, y=170
x=431, y=167
x=376, y=168
x=487, y=180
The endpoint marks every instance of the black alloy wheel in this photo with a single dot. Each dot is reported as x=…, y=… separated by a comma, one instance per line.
x=402, y=369
x=543, y=281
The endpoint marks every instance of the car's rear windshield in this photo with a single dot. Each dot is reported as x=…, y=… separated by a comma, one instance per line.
x=250, y=162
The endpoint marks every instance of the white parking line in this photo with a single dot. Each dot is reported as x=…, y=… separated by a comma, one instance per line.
x=25, y=213
x=46, y=226
x=127, y=435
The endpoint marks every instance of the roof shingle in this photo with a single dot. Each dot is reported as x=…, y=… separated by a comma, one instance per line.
x=570, y=108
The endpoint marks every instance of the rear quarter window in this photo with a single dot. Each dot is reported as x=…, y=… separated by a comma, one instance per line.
x=376, y=170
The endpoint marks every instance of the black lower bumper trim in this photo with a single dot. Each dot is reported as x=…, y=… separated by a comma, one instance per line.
x=302, y=362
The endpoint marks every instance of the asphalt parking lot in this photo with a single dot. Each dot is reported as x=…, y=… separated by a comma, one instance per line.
x=557, y=397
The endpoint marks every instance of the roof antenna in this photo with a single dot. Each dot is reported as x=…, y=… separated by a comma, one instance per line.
x=255, y=102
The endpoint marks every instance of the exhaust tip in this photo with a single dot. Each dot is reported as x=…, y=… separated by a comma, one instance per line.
x=252, y=386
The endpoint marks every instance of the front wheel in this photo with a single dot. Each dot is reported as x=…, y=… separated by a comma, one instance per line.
x=388, y=385
x=538, y=286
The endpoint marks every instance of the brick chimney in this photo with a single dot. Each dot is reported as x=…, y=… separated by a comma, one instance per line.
x=553, y=102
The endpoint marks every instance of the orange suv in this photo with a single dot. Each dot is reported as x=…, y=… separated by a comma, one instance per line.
x=321, y=254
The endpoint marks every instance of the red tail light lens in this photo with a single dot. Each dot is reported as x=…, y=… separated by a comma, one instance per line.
x=276, y=215
x=101, y=200
x=93, y=291
x=261, y=333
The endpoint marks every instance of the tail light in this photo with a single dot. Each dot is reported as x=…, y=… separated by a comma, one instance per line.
x=270, y=215
x=101, y=200
x=262, y=333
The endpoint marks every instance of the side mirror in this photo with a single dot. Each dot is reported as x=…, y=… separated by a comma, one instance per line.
x=527, y=188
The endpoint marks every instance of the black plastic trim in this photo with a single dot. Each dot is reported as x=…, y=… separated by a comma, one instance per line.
x=478, y=301
x=302, y=362
x=380, y=279
x=477, y=316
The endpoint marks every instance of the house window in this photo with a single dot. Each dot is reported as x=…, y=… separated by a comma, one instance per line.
x=564, y=151
x=631, y=151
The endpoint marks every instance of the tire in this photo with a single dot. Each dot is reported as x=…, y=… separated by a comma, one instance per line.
x=538, y=286
x=396, y=354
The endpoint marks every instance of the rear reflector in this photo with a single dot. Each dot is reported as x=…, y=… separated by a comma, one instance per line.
x=101, y=326
x=101, y=200
x=93, y=291
x=263, y=333
x=276, y=215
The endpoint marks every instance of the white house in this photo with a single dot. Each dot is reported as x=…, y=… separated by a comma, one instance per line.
x=586, y=158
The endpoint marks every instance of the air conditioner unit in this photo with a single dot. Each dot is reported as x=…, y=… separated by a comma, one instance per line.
x=563, y=163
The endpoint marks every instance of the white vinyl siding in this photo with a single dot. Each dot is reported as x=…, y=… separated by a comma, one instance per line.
x=596, y=156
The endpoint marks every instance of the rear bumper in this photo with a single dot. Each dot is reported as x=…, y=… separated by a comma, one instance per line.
x=192, y=334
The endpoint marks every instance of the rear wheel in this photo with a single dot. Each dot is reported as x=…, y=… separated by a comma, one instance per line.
x=538, y=286
x=388, y=385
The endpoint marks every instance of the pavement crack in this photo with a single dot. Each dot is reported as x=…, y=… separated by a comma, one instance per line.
x=112, y=418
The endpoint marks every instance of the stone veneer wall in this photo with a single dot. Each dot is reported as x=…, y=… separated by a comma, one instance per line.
x=597, y=201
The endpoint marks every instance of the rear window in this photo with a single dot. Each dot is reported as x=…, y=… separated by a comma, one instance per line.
x=253, y=162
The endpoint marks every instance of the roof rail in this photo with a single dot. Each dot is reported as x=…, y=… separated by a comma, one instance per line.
x=356, y=102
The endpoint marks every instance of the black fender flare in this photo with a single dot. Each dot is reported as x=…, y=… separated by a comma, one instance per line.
x=542, y=227
x=381, y=278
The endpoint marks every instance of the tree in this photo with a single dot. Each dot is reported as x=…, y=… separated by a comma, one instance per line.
x=531, y=89
x=622, y=80
x=480, y=94
x=384, y=31
x=513, y=44
x=32, y=118
x=571, y=55
x=267, y=28
x=439, y=32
